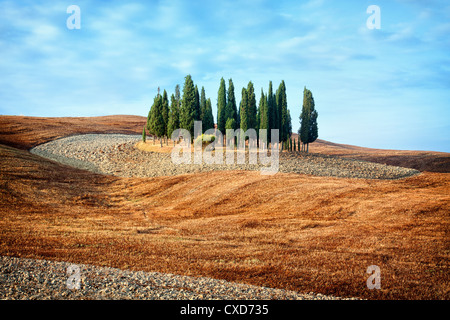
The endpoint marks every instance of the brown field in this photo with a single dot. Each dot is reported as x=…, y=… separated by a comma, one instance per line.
x=288, y=231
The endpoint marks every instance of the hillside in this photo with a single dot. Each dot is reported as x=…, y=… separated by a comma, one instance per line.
x=291, y=231
x=432, y=161
x=26, y=132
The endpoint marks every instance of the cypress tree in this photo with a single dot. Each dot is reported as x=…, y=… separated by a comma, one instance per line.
x=261, y=114
x=304, y=119
x=208, y=118
x=231, y=107
x=148, y=120
x=276, y=117
x=308, y=131
x=289, y=123
x=165, y=110
x=252, y=112
x=266, y=121
x=243, y=110
x=156, y=117
x=178, y=96
x=313, y=128
x=238, y=118
x=271, y=110
x=202, y=103
x=143, y=134
x=221, y=105
x=187, y=110
x=258, y=119
x=282, y=112
x=289, y=126
x=197, y=113
x=174, y=117
x=264, y=114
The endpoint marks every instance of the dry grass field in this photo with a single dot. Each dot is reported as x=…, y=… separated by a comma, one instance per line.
x=291, y=231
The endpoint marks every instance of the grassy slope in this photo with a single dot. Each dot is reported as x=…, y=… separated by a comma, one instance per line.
x=288, y=231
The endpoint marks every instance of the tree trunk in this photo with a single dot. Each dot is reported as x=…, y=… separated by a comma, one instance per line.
x=307, y=148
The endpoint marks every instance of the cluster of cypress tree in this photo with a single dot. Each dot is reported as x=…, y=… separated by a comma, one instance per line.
x=157, y=116
x=163, y=119
x=271, y=113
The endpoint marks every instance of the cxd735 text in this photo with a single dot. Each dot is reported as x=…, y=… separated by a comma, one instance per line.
x=243, y=309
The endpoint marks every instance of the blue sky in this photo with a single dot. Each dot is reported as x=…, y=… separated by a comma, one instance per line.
x=383, y=88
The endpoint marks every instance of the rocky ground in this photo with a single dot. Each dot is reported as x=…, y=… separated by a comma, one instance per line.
x=116, y=154
x=33, y=279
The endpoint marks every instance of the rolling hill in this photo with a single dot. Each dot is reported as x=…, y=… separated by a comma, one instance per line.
x=292, y=231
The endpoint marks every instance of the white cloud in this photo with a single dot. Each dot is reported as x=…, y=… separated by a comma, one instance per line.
x=296, y=42
x=184, y=66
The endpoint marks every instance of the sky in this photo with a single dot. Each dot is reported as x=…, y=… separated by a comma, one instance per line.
x=386, y=87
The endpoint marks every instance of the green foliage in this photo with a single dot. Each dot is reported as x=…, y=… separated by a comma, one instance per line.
x=263, y=112
x=258, y=119
x=147, y=124
x=156, y=121
x=165, y=110
x=230, y=124
x=289, y=123
x=271, y=110
x=252, y=111
x=178, y=95
x=144, y=136
x=282, y=112
x=221, y=105
x=231, y=107
x=313, y=128
x=188, y=105
x=202, y=103
x=243, y=110
x=208, y=118
x=308, y=131
x=174, y=116
x=197, y=111
x=205, y=139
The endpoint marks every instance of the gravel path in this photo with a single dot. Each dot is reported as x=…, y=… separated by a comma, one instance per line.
x=115, y=154
x=33, y=279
